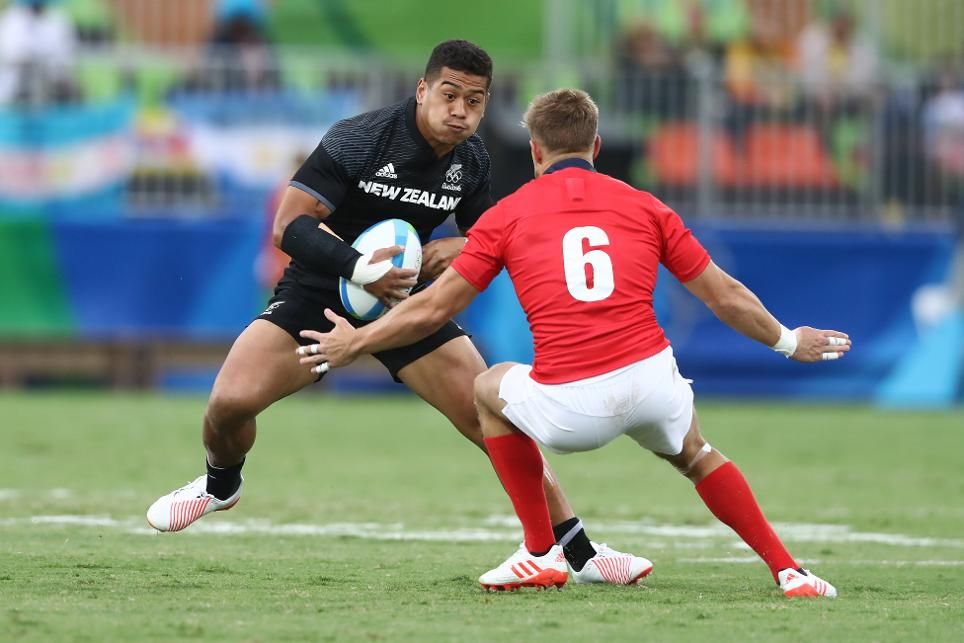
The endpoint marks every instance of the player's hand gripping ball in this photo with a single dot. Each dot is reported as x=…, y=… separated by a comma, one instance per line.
x=393, y=232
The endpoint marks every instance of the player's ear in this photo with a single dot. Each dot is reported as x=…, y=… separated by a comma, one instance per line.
x=536, y=151
x=420, y=90
x=596, y=145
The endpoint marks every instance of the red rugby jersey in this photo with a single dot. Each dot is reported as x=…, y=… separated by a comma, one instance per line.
x=583, y=252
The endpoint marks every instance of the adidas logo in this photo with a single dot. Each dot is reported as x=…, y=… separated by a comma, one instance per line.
x=387, y=172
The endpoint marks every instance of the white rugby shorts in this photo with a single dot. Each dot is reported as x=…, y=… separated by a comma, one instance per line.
x=648, y=400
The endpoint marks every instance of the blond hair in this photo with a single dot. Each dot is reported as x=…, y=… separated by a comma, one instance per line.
x=563, y=121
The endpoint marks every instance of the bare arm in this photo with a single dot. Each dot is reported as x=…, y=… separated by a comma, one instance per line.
x=736, y=306
x=415, y=318
x=294, y=203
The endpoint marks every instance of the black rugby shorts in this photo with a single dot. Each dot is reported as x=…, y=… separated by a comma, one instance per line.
x=295, y=308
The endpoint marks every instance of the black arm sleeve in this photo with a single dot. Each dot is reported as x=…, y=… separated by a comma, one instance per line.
x=318, y=250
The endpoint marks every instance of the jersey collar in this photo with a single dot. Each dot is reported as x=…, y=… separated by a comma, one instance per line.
x=565, y=164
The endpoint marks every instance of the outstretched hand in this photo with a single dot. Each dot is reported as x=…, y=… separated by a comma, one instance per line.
x=814, y=345
x=333, y=349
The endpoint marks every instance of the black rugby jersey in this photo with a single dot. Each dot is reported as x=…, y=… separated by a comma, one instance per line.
x=378, y=166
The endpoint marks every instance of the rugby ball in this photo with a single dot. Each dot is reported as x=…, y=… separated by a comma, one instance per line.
x=392, y=232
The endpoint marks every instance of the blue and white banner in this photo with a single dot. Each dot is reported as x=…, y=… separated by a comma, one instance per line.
x=255, y=141
x=58, y=155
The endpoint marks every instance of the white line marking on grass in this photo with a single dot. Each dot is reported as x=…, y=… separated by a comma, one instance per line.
x=371, y=531
x=816, y=561
x=505, y=529
x=811, y=533
x=792, y=532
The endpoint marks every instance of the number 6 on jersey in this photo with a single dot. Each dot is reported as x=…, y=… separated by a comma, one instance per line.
x=575, y=262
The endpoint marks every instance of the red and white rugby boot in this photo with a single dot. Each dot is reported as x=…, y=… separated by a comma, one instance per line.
x=613, y=567
x=183, y=506
x=522, y=569
x=795, y=584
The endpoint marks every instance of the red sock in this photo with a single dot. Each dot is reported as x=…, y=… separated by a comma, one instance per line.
x=727, y=494
x=518, y=463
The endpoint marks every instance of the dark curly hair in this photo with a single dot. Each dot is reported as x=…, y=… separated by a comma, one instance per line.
x=459, y=55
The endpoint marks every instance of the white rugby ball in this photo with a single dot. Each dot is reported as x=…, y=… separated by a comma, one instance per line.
x=392, y=232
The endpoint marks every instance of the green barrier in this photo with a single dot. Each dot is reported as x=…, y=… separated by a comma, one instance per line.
x=32, y=293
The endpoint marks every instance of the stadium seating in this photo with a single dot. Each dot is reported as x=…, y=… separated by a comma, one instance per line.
x=790, y=156
x=786, y=155
x=675, y=153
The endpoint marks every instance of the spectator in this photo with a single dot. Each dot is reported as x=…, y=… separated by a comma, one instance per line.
x=756, y=69
x=943, y=122
x=837, y=69
x=241, y=56
x=652, y=77
x=37, y=43
x=691, y=25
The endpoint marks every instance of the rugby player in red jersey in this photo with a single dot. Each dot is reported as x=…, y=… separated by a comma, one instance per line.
x=583, y=251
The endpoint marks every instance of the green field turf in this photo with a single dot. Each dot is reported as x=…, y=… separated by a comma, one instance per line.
x=370, y=519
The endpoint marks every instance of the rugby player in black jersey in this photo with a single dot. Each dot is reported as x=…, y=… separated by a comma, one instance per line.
x=419, y=160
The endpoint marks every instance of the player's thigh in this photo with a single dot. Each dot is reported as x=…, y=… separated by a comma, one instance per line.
x=445, y=379
x=660, y=418
x=260, y=369
x=563, y=418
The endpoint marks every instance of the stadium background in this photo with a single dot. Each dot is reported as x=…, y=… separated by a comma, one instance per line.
x=138, y=168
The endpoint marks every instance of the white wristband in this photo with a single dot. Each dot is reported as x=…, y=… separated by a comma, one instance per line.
x=366, y=273
x=787, y=344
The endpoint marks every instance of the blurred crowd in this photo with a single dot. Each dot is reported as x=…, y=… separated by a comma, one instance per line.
x=811, y=76
x=39, y=40
x=769, y=62
x=810, y=71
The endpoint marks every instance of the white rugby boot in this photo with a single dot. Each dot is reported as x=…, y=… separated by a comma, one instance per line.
x=613, y=567
x=522, y=569
x=183, y=506
x=795, y=584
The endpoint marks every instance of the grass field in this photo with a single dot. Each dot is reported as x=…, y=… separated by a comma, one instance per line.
x=370, y=519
